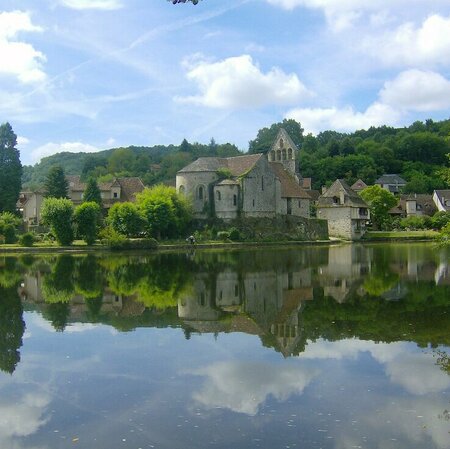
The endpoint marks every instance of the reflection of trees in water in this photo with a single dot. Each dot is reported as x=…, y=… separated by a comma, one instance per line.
x=58, y=314
x=12, y=328
x=57, y=286
x=89, y=279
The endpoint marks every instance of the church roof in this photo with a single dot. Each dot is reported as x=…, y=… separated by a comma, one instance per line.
x=351, y=198
x=289, y=186
x=237, y=165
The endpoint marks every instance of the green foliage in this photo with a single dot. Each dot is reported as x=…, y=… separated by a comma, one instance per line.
x=56, y=185
x=57, y=286
x=126, y=219
x=440, y=219
x=86, y=220
x=380, y=202
x=112, y=238
x=234, y=234
x=266, y=136
x=121, y=160
x=166, y=212
x=27, y=239
x=57, y=213
x=223, y=235
x=416, y=223
x=10, y=169
x=92, y=192
x=444, y=234
x=224, y=173
x=8, y=226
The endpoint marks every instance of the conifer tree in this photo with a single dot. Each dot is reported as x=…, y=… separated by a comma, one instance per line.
x=92, y=192
x=10, y=169
x=56, y=185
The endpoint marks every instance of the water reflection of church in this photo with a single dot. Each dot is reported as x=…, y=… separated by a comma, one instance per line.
x=266, y=298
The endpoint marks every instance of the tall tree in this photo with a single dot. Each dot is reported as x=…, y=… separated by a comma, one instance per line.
x=56, y=185
x=10, y=169
x=92, y=192
x=380, y=202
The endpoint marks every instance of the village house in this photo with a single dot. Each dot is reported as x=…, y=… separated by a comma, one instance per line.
x=414, y=205
x=345, y=211
x=441, y=199
x=117, y=190
x=391, y=182
x=253, y=185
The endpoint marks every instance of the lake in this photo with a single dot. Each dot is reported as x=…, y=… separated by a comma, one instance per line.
x=344, y=346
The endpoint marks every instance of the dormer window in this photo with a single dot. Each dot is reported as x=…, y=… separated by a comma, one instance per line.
x=115, y=195
x=336, y=200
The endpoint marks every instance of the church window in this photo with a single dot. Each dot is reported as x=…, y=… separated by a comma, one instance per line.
x=234, y=200
x=218, y=195
x=278, y=155
x=253, y=203
x=262, y=182
x=283, y=154
x=290, y=154
x=181, y=189
x=281, y=143
x=299, y=203
x=201, y=193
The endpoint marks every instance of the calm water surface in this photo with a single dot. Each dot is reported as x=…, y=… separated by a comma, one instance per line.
x=323, y=347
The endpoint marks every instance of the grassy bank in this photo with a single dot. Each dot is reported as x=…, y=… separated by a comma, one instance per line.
x=401, y=235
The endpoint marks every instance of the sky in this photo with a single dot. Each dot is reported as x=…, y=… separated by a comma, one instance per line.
x=88, y=75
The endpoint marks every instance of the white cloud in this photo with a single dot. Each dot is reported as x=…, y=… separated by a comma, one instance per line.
x=93, y=4
x=242, y=387
x=52, y=148
x=21, y=140
x=19, y=59
x=417, y=90
x=411, y=45
x=344, y=119
x=238, y=82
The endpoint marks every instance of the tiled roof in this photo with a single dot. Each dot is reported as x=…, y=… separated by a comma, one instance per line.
x=237, y=165
x=390, y=179
x=351, y=198
x=130, y=186
x=425, y=204
x=359, y=185
x=289, y=186
x=74, y=183
x=443, y=196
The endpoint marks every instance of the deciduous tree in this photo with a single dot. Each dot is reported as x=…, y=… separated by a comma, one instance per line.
x=86, y=219
x=380, y=202
x=57, y=213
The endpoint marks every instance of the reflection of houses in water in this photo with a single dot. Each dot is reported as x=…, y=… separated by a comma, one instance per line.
x=30, y=291
x=256, y=303
x=346, y=268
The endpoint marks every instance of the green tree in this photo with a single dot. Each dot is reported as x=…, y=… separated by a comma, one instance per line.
x=8, y=226
x=92, y=192
x=185, y=146
x=126, y=219
x=380, y=202
x=86, y=220
x=56, y=185
x=57, y=213
x=167, y=213
x=266, y=136
x=121, y=160
x=10, y=169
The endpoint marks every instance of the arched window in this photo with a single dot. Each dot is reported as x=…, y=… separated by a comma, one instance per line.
x=283, y=152
x=234, y=200
x=181, y=189
x=201, y=193
x=281, y=143
x=278, y=155
x=218, y=195
x=290, y=153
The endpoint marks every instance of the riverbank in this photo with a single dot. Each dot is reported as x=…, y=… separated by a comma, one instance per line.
x=386, y=236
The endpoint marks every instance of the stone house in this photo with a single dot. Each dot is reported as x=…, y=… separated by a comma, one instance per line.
x=345, y=211
x=414, y=205
x=253, y=185
x=29, y=205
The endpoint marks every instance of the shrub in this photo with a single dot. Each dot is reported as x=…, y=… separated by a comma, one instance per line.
x=2, y=239
x=223, y=235
x=111, y=237
x=27, y=239
x=415, y=223
x=8, y=225
x=57, y=213
x=126, y=219
x=440, y=219
x=86, y=218
x=235, y=235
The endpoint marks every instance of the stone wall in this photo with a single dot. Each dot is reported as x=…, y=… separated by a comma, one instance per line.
x=226, y=201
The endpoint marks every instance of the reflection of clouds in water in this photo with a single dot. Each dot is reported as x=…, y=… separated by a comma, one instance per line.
x=40, y=322
x=22, y=418
x=402, y=424
x=416, y=372
x=242, y=387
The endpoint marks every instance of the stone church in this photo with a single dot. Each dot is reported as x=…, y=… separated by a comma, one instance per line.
x=255, y=185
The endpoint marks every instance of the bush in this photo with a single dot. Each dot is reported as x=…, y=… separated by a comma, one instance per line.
x=235, y=235
x=2, y=239
x=126, y=219
x=57, y=213
x=109, y=236
x=415, y=223
x=27, y=239
x=440, y=219
x=223, y=235
x=8, y=225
